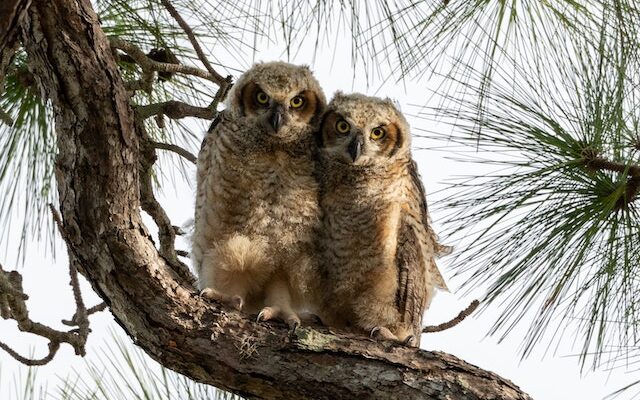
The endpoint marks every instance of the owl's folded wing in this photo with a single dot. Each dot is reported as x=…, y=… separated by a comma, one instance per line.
x=438, y=248
x=413, y=291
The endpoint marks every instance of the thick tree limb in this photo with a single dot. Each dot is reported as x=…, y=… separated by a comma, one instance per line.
x=97, y=174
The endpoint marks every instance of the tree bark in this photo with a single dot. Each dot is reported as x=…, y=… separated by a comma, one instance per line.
x=97, y=177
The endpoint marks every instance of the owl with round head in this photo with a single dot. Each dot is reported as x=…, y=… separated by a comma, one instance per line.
x=256, y=201
x=377, y=248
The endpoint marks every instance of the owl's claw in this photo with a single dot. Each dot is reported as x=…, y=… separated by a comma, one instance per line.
x=232, y=301
x=289, y=317
x=382, y=333
x=409, y=341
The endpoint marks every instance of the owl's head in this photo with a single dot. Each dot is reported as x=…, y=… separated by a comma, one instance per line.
x=282, y=98
x=363, y=131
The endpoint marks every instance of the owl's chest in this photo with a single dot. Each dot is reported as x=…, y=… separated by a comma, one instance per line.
x=362, y=232
x=272, y=193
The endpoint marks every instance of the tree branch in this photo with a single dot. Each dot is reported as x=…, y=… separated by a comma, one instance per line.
x=600, y=163
x=450, y=324
x=13, y=306
x=175, y=110
x=176, y=149
x=148, y=64
x=149, y=203
x=196, y=46
x=101, y=157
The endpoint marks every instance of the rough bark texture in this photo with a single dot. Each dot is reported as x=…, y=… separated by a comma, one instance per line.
x=10, y=13
x=97, y=175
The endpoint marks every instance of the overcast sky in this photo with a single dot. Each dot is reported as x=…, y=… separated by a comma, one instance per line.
x=546, y=375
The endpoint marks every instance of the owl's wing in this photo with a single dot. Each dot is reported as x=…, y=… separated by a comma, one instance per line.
x=413, y=292
x=204, y=162
x=416, y=252
x=438, y=248
x=203, y=168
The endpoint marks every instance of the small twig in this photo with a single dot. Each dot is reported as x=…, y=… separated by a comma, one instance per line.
x=196, y=46
x=221, y=94
x=151, y=206
x=176, y=149
x=148, y=64
x=53, y=349
x=91, y=310
x=450, y=324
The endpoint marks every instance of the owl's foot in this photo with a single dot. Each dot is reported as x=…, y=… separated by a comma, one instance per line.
x=383, y=333
x=409, y=341
x=233, y=301
x=289, y=317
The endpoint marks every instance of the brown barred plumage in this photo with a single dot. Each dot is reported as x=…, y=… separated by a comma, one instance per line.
x=256, y=202
x=377, y=248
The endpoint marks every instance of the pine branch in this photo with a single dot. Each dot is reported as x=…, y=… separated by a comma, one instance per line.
x=148, y=64
x=175, y=110
x=600, y=163
x=149, y=203
x=196, y=46
x=176, y=149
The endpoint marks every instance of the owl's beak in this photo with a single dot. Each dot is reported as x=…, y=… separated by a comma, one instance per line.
x=276, y=117
x=355, y=148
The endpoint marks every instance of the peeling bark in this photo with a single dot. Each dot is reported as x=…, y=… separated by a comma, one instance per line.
x=98, y=184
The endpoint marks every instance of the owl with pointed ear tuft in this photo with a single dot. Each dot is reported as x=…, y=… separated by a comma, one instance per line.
x=377, y=248
x=256, y=200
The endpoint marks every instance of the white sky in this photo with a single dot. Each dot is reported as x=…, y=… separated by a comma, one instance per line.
x=554, y=376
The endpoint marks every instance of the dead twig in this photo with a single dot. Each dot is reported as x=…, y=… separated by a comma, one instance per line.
x=450, y=324
x=149, y=203
x=196, y=46
x=148, y=64
x=176, y=149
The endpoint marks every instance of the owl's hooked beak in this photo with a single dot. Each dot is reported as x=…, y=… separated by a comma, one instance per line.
x=276, y=117
x=355, y=147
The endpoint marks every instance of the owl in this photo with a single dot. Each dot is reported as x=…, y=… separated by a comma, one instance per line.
x=377, y=249
x=257, y=197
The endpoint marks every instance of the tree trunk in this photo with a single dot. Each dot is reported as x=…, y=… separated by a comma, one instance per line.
x=97, y=177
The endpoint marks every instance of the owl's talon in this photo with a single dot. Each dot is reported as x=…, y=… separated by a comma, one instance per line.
x=265, y=314
x=409, y=341
x=383, y=333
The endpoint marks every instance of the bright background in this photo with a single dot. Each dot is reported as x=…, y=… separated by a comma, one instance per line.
x=549, y=374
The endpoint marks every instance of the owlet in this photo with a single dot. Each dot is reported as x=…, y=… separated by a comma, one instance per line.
x=377, y=247
x=256, y=205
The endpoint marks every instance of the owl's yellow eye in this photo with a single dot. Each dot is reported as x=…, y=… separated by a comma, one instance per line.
x=297, y=102
x=343, y=126
x=377, y=133
x=262, y=98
